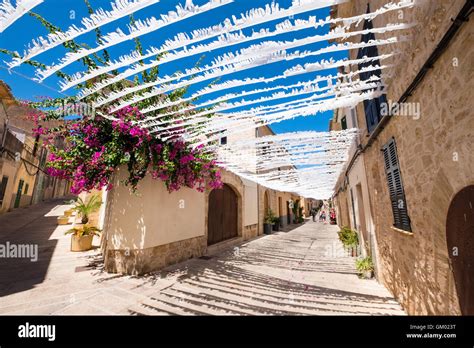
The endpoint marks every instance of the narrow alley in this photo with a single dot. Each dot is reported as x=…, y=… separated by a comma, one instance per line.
x=288, y=273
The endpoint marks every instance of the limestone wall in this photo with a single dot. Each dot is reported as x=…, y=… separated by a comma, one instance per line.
x=435, y=155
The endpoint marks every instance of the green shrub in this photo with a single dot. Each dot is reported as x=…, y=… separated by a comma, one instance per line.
x=270, y=217
x=365, y=264
x=348, y=237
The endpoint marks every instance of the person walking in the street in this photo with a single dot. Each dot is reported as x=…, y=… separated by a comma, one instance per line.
x=322, y=216
x=313, y=214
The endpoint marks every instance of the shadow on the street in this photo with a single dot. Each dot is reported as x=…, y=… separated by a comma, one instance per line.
x=19, y=274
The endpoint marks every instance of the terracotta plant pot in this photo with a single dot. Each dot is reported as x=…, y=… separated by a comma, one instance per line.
x=68, y=212
x=63, y=220
x=81, y=243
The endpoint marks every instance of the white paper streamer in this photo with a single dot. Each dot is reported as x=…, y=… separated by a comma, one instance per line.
x=120, y=8
x=141, y=27
x=9, y=13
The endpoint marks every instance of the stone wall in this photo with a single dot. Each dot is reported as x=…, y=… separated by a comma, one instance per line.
x=140, y=261
x=435, y=155
x=342, y=208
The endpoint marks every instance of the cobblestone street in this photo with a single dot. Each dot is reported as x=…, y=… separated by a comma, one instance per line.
x=281, y=274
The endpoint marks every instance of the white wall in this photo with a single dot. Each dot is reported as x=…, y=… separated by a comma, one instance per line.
x=152, y=216
x=250, y=202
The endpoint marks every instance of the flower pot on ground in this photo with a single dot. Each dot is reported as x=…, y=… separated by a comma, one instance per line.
x=85, y=208
x=276, y=224
x=268, y=222
x=365, y=267
x=81, y=237
x=267, y=228
x=63, y=220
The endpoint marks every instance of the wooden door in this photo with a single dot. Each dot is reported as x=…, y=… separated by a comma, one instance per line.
x=460, y=240
x=222, y=215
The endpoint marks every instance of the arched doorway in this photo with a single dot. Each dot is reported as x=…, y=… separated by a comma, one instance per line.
x=460, y=240
x=266, y=203
x=222, y=215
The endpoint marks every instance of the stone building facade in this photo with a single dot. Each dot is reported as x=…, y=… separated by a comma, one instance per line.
x=435, y=159
x=23, y=180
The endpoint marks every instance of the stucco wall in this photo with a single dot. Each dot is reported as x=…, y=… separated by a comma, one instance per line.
x=9, y=169
x=153, y=216
x=250, y=202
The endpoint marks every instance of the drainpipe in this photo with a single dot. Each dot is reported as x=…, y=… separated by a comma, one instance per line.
x=5, y=130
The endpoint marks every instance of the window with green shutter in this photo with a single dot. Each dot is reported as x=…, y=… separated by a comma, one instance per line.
x=401, y=219
x=343, y=123
x=3, y=188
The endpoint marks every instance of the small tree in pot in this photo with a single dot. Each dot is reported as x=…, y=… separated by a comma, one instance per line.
x=268, y=222
x=87, y=207
x=365, y=267
x=276, y=223
x=81, y=237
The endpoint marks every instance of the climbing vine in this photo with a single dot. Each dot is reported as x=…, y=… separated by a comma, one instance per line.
x=88, y=149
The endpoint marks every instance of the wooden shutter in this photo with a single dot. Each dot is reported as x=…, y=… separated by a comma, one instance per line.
x=344, y=123
x=395, y=187
x=3, y=187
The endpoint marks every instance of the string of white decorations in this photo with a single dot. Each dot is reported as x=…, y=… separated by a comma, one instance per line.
x=332, y=89
x=100, y=17
x=142, y=27
x=307, y=163
x=9, y=13
x=246, y=82
x=297, y=89
x=310, y=88
x=253, y=51
x=139, y=28
x=321, y=154
x=253, y=61
x=219, y=127
x=224, y=35
x=222, y=41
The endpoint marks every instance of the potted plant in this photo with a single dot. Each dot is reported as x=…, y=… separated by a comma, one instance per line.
x=300, y=215
x=349, y=239
x=69, y=211
x=295, y=211
x=268, y=222
x=276, y=224
x=365, y=267
x=81, y=237
x=63, y=220
x=87, y=207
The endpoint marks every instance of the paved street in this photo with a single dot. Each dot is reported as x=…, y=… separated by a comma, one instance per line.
x=296, y=272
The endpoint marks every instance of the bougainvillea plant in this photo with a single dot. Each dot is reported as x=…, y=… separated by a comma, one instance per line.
x=88, y=150
x=94, y=147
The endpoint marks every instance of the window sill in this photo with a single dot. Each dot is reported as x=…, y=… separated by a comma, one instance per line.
x=406, y=233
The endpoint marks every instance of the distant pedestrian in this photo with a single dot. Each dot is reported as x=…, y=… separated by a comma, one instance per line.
x=322, y=216
x=313, y=214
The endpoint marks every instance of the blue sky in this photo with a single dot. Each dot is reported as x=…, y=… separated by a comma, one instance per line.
x=64, y=13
